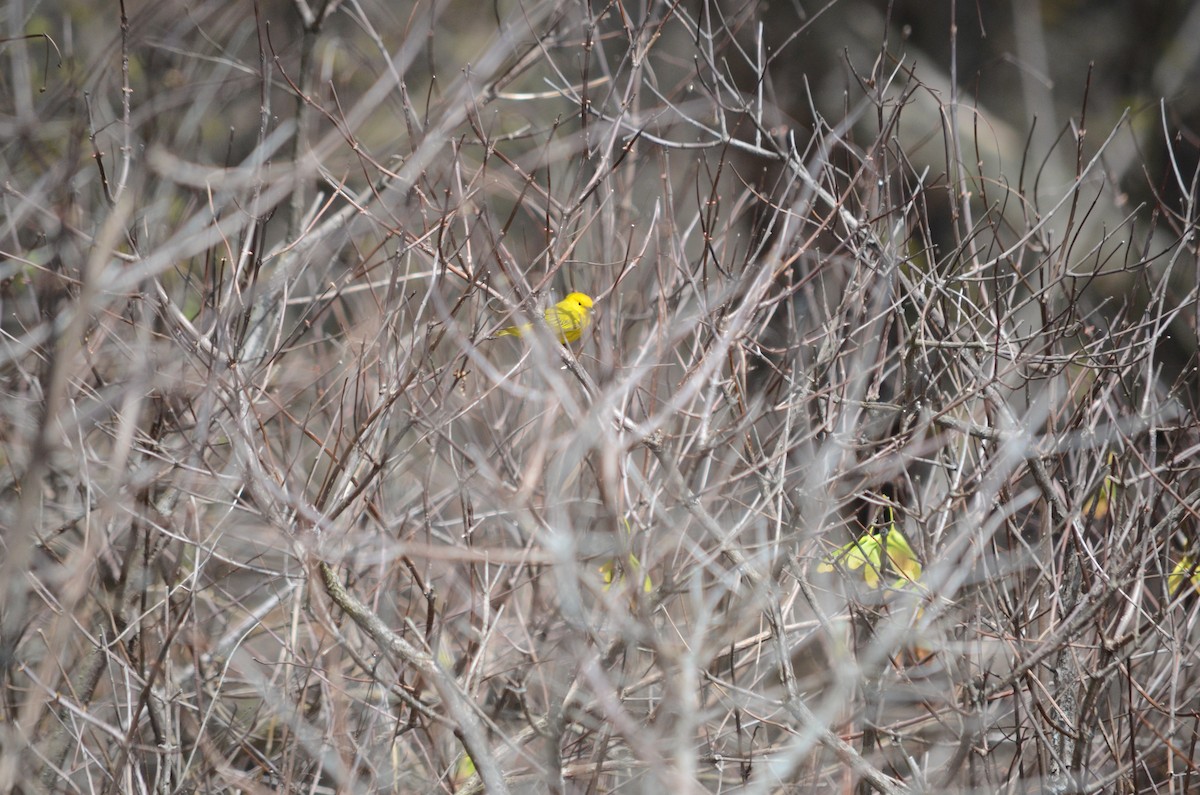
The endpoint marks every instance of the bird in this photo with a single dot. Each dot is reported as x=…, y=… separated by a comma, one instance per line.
x=567, y=319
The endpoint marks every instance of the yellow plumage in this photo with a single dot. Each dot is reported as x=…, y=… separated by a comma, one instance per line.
x=567, y=319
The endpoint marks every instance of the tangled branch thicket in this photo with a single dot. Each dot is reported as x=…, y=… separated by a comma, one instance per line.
x=281, y=514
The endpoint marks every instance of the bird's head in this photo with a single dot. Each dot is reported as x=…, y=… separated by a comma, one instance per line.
x=582, y=299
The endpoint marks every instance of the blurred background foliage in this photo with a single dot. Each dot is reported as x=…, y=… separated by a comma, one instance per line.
x=280, y=514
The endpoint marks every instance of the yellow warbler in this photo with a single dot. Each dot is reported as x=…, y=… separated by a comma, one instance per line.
x=1097, y=505
x=1184, y=571
x=567, y=319
x=611, y=574
x=866, y=553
